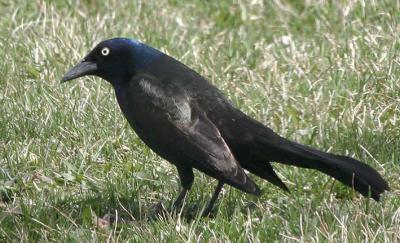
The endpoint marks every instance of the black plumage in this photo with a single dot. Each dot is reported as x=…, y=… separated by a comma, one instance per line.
x=187, y=121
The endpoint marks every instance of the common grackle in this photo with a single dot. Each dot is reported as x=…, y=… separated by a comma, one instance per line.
x=187, y=121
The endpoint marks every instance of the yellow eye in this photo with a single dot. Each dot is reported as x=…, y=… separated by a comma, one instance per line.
x=105, y=51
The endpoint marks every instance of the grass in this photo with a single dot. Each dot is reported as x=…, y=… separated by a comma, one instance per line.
x=323, y=73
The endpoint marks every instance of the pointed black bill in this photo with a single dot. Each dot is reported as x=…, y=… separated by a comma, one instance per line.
x=81, y=69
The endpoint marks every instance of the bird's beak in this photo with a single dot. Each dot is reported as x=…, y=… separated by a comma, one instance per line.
x=81, y=69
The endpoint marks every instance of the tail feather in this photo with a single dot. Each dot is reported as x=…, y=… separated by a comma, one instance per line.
x=349, y=171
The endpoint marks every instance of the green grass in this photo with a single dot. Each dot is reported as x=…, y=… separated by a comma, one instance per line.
x=324, y=74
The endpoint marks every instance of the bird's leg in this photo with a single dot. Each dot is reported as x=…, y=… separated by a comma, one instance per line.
x=214, y=197
x=179, y=200
x=186, y=176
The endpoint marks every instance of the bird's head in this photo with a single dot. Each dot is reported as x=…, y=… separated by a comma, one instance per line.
x=114, y=60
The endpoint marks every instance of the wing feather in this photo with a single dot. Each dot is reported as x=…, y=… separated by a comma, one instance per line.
x=186, y=129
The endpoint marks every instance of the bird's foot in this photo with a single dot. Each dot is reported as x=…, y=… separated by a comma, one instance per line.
x=158, y=210
x=209, y=213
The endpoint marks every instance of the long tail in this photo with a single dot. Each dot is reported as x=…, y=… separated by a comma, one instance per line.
x=349, y=171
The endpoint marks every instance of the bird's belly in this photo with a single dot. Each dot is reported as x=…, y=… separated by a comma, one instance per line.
x=160, y=143
x=150, y=133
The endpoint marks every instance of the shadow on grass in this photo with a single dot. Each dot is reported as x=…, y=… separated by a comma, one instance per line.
x=100, y=211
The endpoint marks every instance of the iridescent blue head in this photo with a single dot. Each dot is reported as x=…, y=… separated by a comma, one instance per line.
x=115, y=60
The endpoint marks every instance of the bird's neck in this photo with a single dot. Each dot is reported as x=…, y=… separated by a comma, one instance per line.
x=119, y=86
x=143, y=55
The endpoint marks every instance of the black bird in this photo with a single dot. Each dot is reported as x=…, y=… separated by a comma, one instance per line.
x=187, y=121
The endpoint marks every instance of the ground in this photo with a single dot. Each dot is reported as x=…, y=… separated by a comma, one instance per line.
x=323, y=73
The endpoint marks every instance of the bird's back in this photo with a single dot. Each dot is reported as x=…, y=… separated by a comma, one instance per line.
x=237, y=129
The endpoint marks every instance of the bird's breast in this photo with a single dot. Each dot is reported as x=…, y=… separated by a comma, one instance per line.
x=124, y=101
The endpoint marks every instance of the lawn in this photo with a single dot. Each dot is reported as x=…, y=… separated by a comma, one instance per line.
x=323, y=73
